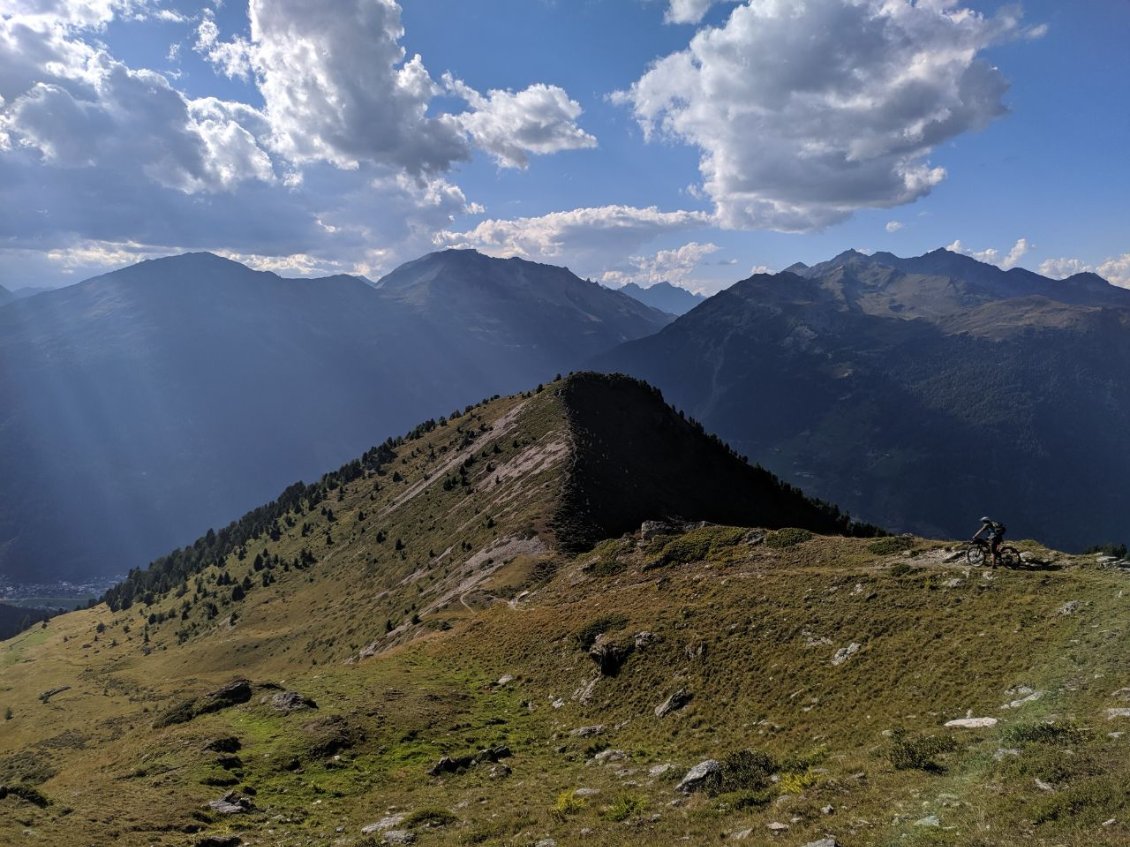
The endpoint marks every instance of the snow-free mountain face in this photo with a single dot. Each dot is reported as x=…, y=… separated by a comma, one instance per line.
x=141, y=407
x=917, y=393
x=665, y=297
x=6, y=296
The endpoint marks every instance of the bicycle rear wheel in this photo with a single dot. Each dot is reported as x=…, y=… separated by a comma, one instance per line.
x=975, y=554
x=1010, y=557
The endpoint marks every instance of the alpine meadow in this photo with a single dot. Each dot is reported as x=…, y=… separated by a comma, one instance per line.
x=556, y=424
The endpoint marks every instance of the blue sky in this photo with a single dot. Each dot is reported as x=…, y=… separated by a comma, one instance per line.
x=631, y=140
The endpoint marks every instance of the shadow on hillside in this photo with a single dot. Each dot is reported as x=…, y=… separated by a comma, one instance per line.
x=1038, y=566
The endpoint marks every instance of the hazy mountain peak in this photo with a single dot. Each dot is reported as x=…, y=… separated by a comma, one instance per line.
x=669, y=298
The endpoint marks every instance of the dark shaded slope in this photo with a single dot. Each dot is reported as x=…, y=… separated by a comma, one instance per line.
x=635, y=458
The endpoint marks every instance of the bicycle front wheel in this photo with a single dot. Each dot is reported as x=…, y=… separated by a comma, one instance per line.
x=975, y=555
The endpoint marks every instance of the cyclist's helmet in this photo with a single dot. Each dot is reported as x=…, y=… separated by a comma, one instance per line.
x=986, y=520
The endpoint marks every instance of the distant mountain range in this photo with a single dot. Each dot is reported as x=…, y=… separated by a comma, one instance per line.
x=917, y=393
x=140, y=408
x=664, y=296
x=6, y=296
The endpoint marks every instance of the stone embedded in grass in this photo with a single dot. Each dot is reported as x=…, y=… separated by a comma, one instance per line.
x=929, y=820
x=1117, y=713
x=605, y=756
x=587, y=731
x=224, y=744
x=644, y=639
x=823, y=842
x=448, y=764
x=231, y=804
x=291, y=701
x=777, y=828
x=673, y=703
x=1070, y=607
x=609, y=655
x=699, y=776
x=971, y=723
x=218, y=841
x=399, y=836
x=387, y=822
x=845, y=653
x=1029, y=696
x=51, y=692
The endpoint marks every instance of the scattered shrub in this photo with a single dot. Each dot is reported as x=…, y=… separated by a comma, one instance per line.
x=1044, y=733
x=623, y=807
x=787, y=537
x=745, y=770
x=698, y=544
x=568, y=804
x=795, y=782
x=1085, y=805
x=606, y=559
x=891, y=545
x=918, y=752
x=430, y=818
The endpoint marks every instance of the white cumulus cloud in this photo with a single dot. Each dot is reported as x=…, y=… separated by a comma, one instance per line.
x=894, y=226
x=687, y=11
x=338, y=86
x=592, y=239
x=343, y=164
x=512, y=126
x=992, y=256
x=674, y=266
x=806, y=112
x=1115, y=270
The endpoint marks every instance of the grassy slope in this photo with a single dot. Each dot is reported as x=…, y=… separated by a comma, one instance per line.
x=750, y=629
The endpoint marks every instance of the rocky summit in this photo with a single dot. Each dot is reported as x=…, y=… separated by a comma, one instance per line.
x=571, y=616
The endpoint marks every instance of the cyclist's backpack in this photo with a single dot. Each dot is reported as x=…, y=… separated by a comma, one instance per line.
x=1000, y=527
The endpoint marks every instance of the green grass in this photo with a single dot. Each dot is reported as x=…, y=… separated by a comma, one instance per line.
x=749, y=629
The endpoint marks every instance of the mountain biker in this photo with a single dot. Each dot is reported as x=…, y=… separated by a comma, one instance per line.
x=994, y=534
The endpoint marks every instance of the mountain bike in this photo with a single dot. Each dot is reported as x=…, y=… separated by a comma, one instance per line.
x=978, y=551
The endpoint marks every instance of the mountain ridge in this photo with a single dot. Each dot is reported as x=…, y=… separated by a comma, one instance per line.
x=664, y=296
x=898, y=394
x=144, y=405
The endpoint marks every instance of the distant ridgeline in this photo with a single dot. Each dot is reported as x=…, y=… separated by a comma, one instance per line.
x=170, y=572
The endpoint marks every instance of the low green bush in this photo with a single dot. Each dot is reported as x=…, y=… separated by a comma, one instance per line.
x=918, y=752
x=790, y=536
